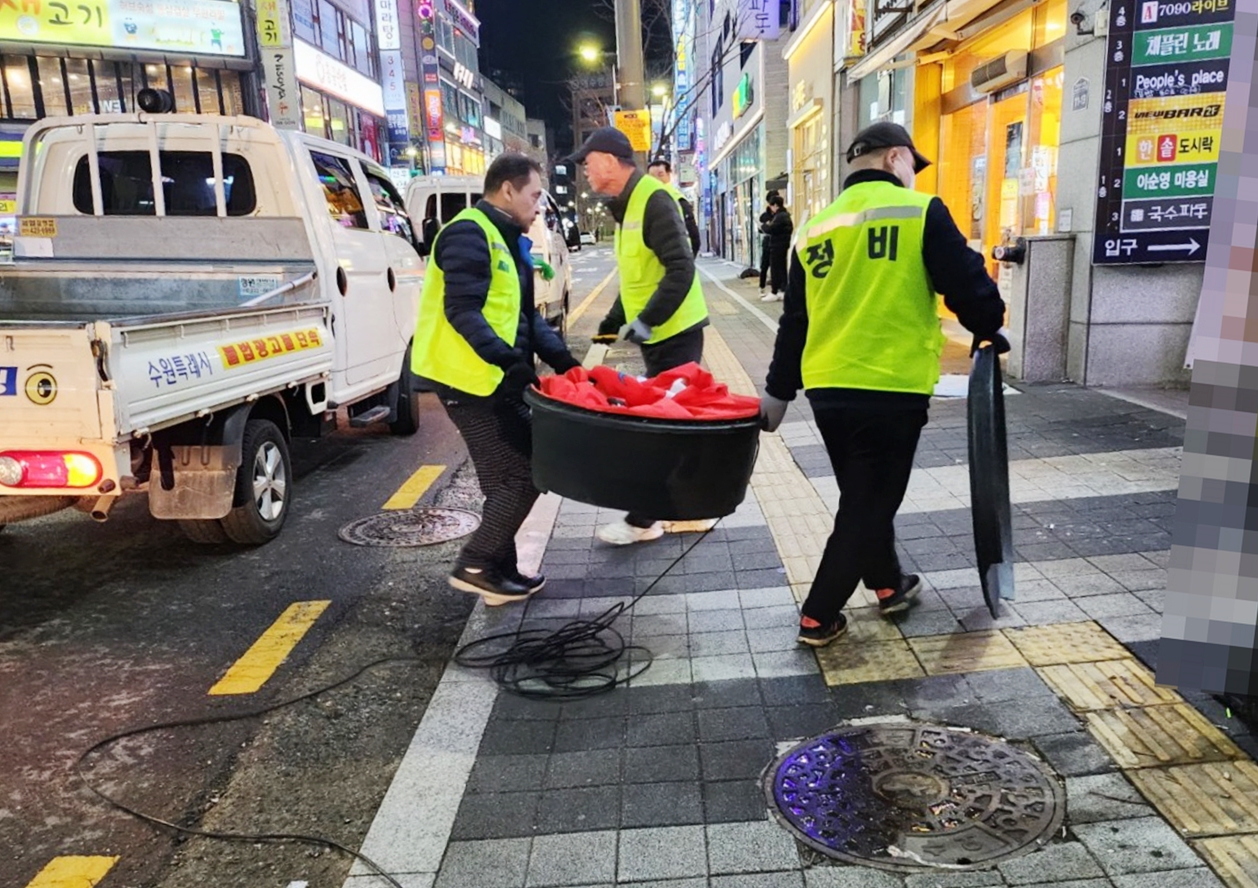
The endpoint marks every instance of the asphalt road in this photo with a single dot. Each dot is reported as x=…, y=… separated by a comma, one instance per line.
x=108, y=627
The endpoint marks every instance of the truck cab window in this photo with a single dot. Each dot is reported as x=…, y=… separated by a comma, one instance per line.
x=393, y=217
x=345, y=204
x=126, y=184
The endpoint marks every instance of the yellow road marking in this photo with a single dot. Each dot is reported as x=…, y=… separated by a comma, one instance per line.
x=259, y=663
x=416, y=486
x=73, y=872
x=594, y=294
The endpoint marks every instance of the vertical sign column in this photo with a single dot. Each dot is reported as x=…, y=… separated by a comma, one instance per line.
x=279, y=71
x=392, y=80
x=1165, y=81
x=430, y=73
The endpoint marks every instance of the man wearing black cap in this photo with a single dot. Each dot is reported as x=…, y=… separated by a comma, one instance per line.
x=660, y=305
x=860, y=334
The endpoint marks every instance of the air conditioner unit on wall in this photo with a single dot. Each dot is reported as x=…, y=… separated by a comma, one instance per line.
x=999, y=72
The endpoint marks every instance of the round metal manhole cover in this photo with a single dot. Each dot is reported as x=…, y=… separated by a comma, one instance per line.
x=413, y=527
x=910, y=797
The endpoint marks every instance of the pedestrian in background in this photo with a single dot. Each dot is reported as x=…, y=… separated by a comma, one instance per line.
x=476, y=338
x=662, y=170
x=860, y=333
x=660, y=306
x=779, y=229
x=766, y=216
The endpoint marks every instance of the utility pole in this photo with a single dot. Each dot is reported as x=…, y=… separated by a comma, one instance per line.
x=630, y=68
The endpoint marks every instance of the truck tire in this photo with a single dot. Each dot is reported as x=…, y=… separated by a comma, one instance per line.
x=263, y=484
x=21, y=508
x=407, y=407
x=204, y=531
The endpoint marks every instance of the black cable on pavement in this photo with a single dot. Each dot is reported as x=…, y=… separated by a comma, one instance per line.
x=579, y=659
x=237, y=716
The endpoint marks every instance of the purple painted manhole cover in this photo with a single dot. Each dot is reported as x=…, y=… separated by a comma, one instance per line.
x=910, y=796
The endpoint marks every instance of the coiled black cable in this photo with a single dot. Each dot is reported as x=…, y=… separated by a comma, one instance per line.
x=579, y=659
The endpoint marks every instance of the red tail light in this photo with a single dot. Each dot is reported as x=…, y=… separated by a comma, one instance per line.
x=49, y=468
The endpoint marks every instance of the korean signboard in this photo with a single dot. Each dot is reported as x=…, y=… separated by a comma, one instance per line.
x=759, y=19
x=200, y=27
x=279, y=68
x=430, y=74
x=681, y=81
x=324, y=73
x=1165, y=80
x=637, y=126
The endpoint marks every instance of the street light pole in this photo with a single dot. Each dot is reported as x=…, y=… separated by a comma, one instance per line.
x=632, y=93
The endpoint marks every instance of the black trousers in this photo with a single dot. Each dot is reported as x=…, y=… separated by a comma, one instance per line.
x=498, y=433
x=872, y=454
x=672, y=352
x=764, y=261
x=777, y=268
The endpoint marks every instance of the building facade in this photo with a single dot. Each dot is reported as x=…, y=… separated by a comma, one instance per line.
x=505, y=122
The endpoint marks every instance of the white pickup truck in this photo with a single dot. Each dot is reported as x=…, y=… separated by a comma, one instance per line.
x=188, y=294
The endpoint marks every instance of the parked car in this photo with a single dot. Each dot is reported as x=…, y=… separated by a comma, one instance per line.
x=435, y=200
x=587, y=237
x=187, y=295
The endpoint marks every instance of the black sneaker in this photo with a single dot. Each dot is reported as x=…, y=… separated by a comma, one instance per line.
x=489, y=584
x=533, y=584
x=893, y=601
x=814, y=634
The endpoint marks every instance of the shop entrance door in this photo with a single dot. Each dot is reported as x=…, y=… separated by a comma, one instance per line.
x=1006, y=142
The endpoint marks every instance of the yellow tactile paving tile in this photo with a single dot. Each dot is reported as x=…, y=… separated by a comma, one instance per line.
x=1216, y=799
x=1065, y=643
x=1234, y=859
x=864, y=625
x=873, y=661
x=966, y=652
x=1159, y=735
x=73, y=872
x=1106, y=685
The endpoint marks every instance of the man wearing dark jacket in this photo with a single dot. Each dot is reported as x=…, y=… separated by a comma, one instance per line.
x=476, y=338
x=778, y=229
x=765, y=218
x=861, y=335
x=661, y=303
x=663, y=170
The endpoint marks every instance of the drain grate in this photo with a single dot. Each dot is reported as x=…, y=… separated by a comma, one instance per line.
x=413, y=527
x=911, y=797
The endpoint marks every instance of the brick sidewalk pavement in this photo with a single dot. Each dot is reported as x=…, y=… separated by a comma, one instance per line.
x=657, y=785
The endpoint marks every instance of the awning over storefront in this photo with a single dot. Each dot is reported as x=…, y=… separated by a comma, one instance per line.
x=907, y=36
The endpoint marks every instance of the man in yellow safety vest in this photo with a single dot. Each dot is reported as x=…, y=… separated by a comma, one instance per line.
x=476, y=338
x=860, y=333
x=661, y=304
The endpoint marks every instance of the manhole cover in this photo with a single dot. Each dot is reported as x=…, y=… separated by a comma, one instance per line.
x=911, y=796
x=413, y=527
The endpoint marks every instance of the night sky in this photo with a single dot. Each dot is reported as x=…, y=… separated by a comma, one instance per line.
x=537, y=41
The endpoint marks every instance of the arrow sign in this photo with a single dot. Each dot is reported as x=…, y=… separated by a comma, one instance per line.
x=1192, y=246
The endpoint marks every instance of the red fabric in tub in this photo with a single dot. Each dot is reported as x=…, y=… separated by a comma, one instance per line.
x=607, y=391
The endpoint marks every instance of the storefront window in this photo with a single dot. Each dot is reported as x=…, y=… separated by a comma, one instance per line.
x=231, y=93
x=1038, y=209
x=362, y=49
x=329, y=31
x=80, y=82
x=207, y=91
x=181, y=79
x=339, y=122
x=17, y=85
x=52, y=86
x=312, y=112
x=108, y=99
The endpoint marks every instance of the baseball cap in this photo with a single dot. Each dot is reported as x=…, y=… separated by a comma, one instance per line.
x=885, y=135
x=608, y=140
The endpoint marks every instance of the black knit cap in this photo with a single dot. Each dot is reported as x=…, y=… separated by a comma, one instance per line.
x=885, y=135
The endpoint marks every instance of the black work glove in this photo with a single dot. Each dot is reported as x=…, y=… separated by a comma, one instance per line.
x=610, y=326
x=517, y=378
x=997, y=339
x=564, y=364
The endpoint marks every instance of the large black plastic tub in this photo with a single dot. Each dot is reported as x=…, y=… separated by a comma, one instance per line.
x=669, y=470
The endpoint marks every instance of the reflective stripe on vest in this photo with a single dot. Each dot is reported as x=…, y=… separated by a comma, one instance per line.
x=440, y=352
x=641, y=271
x=872, y=317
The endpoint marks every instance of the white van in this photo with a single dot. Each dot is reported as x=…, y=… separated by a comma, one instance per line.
x=435, y=200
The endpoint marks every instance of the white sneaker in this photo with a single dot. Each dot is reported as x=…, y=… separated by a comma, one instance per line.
x=621, y=533
x=771, y=297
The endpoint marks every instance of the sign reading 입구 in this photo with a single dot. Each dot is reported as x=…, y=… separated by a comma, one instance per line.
x=1165, y=80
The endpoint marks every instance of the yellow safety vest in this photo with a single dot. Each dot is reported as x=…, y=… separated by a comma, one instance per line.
x=440, y=352
x=872, y=318
x=641, y=271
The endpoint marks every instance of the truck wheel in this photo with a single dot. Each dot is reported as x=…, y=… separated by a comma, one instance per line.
x=407, y=422
x=200, y=530
x=262, y=486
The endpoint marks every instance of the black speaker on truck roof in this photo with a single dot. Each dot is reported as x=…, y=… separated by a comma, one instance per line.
x=155, y=101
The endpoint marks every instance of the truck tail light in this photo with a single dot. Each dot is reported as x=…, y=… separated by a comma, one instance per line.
x=49, y=468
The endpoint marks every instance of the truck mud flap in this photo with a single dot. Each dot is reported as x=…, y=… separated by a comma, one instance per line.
x=989, y=479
